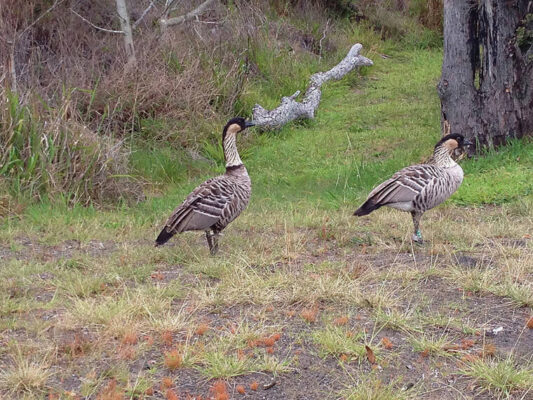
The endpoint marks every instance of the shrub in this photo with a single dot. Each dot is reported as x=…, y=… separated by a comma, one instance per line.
x=47, y=152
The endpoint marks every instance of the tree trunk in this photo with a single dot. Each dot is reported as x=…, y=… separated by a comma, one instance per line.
x=486, y=88
x=122, y=11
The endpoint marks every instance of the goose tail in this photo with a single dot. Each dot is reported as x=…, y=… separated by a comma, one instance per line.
x=366, y=208
x=163, y=237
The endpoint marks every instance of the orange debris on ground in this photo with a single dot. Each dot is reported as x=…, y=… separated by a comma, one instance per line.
x=387, y=343
x=171, y=395
x=201, y=329
x=309, y=314
x=167, y=382
x=173, y=359
x=341, y=321
x=130, y=338
x=166, y=337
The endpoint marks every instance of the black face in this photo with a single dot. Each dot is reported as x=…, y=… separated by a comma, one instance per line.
x=241, y=122
x=460, y=139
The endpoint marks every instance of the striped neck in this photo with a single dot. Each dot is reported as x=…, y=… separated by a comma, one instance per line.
x=231, y=155
x=442, y=158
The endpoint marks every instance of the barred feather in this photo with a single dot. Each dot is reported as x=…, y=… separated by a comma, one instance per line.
x=417, y=188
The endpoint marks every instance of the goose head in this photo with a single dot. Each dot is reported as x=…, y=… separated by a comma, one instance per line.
x=452, y=142
x=236, y=125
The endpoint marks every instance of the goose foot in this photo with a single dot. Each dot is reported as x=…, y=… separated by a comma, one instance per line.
x=417, y=238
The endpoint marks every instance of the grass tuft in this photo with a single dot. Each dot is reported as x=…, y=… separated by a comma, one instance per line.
x=500, y=376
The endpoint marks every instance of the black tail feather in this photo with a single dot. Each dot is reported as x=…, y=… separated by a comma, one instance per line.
x=163, y=237
x=366, y=209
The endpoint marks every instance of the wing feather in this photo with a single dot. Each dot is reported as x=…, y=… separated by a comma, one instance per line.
x=404, y=187
x=203, y=208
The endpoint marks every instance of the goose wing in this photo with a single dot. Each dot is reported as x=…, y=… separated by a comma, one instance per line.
x=403, y=187
x=203, y=208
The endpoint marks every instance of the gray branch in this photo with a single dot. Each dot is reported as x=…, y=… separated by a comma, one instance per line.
x=290, y=109
x=166, y=22
x=136, y=24
x=96, y=26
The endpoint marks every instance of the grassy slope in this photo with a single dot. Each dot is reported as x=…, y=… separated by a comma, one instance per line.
x=295, y=255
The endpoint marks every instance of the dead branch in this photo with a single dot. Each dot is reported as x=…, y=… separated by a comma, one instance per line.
x=164, y=22
x=136, y=24
x=40, y=17
x=95, y=26
x=289, y=109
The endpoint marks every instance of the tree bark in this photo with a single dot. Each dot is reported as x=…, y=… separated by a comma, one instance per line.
x=122, y=11
x=486, y=88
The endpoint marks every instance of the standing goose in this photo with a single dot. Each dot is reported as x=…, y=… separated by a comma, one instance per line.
x=218, y=201
x=420, y=187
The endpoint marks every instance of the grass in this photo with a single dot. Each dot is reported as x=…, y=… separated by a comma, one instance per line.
x=89, y=284
x=338, y=341
x=503, y=377
x=375, y=389
x=25, y=375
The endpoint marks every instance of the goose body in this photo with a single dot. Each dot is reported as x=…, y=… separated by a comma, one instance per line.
x=218, y=201
x=420, y=187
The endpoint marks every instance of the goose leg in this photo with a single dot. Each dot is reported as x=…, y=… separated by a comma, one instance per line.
x=209, y=236
x=417, y=236
x=214, y=249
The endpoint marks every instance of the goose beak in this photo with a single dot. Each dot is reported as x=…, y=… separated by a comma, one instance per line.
x=467, y=142
x=248, y=124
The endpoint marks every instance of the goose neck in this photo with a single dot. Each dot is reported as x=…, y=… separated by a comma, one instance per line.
x=231, y=154
x=441, y=157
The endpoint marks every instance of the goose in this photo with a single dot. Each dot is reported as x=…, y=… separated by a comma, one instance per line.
x=420, y=187
x=218, y=201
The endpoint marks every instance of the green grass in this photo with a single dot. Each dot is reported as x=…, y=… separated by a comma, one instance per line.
x=500, y=376
x=498, y=176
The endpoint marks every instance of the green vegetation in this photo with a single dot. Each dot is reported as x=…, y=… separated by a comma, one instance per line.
x=500, y=376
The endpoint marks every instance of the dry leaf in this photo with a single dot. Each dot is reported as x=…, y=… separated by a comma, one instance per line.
x=370, y=355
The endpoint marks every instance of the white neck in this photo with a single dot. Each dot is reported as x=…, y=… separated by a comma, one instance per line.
x=230, y=150
x=441, y=157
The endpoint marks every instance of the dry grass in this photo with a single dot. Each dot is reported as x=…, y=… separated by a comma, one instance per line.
x=263, y=312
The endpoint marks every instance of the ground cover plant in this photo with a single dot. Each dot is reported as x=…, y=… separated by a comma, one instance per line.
x=304, y=301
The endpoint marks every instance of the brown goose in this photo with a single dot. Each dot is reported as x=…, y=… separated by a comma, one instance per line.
x=420, y=187
x=218, y=201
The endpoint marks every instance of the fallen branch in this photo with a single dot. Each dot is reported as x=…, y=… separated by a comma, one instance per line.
x=185, y=17
x=289, y=109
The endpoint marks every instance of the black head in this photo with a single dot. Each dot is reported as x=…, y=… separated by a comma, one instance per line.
x=237, y=124
x=453, y=141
